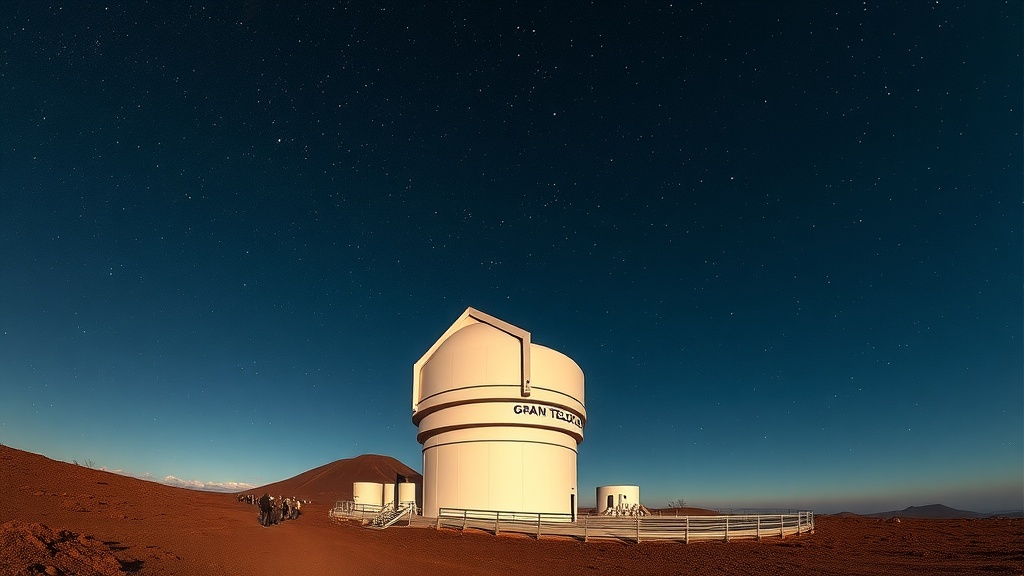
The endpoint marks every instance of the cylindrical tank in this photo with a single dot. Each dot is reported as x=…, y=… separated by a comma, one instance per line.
x=407, y=493
x=500, y=419
x=389, y=494
x=367, y=493
x=618, y=499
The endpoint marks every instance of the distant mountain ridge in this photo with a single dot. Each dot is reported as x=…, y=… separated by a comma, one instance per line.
x=932, y=511
x=333, y=481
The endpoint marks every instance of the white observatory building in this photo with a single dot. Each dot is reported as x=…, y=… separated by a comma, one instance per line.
x=620, y=500
x=499, y=418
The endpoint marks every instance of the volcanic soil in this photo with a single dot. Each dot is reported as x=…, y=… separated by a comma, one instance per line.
x=59, y=518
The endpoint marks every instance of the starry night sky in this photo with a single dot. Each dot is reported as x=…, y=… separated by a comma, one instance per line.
x=783, y=242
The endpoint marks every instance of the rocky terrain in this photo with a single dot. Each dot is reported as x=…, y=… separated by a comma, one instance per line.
x=59, y=518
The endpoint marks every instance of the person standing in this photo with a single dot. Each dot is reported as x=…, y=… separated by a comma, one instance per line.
x=265, y=509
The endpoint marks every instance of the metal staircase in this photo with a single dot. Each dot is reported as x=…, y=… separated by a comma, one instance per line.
x=389, y=515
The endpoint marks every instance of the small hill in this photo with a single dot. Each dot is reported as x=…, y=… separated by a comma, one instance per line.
x=1008, y=514
x=332, y=482
x=932, y=511
x=688, y=511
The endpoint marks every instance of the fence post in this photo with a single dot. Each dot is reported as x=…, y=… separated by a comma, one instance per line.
x=538, y=526
x=586, y=520
x=497, y=517
x=637, y=529
x=758, y=526
x=464, y=520
x=438, y=526
x=726, y=528
x=782, y=526
x=686, y=533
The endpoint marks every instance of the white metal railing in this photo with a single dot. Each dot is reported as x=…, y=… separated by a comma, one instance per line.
x=349, y=510
x=639, y=528
x=520, y=522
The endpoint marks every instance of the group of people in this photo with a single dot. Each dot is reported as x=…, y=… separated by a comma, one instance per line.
x=627, y=510
x=273, y=510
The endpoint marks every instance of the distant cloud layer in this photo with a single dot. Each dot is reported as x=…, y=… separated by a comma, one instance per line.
x=210, y=486
x=191, y=484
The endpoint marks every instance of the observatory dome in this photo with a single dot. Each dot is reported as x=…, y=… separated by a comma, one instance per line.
x=499, y=418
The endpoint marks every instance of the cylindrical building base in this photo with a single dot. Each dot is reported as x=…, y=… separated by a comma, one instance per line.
x=496, y=468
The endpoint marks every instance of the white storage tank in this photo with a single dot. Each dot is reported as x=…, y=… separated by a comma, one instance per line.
x=619, y=500
x=407, y=494
x=389, y=494
x=499, y=418
x=367, y=494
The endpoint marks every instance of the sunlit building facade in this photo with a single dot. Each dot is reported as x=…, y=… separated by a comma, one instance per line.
x=500, y=419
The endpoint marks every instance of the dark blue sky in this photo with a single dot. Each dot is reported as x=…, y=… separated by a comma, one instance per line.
x=782, y=242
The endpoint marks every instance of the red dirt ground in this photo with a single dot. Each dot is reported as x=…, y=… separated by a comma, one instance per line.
x=58, y=518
